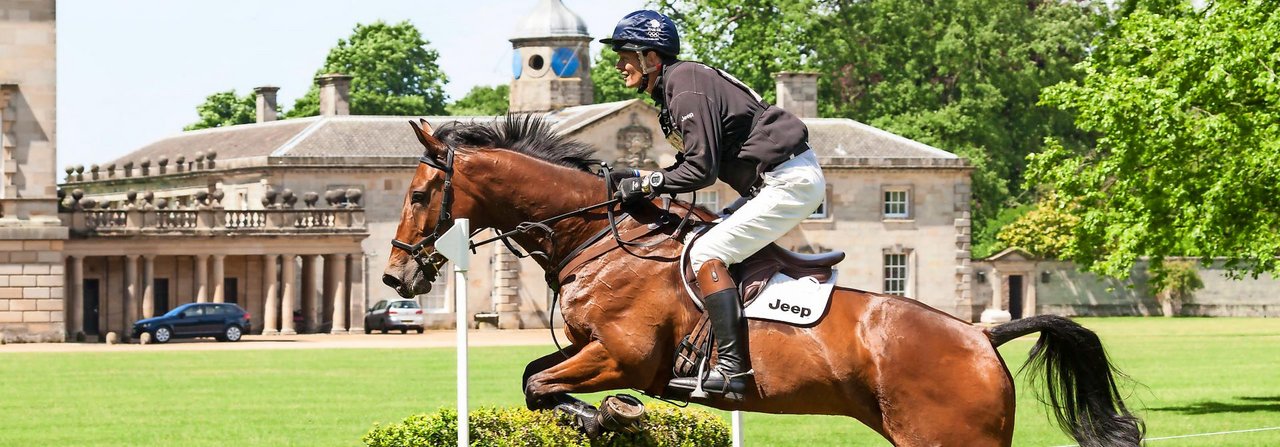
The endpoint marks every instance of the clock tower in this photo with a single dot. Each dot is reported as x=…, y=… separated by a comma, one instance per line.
x=551, y=61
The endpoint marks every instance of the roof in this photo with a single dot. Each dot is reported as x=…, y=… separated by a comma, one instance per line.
x=842, y=137
x=838, y=141
x=550, y=19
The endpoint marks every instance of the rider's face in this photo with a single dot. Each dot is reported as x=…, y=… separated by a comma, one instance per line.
x=629, y=66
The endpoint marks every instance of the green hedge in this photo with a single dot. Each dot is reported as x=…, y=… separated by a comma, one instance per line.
x=665, y=426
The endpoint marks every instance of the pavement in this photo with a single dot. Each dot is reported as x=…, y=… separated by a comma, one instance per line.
x=394, y=340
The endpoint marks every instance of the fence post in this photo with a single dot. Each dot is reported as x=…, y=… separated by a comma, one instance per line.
x=455, y=245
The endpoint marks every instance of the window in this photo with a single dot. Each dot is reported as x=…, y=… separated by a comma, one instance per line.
x=404, y=305
x=895, y=273
x=896, y=203
x=823, y=209
x=708, y=199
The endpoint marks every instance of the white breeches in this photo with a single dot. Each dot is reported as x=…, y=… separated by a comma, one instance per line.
x=791, y=192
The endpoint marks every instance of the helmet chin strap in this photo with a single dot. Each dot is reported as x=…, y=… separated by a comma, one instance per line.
x=645, y=71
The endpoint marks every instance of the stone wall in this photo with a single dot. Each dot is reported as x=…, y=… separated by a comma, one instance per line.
x=1062, y=289
x=31, y=291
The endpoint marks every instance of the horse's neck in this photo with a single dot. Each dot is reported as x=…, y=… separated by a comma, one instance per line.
x=536, y=191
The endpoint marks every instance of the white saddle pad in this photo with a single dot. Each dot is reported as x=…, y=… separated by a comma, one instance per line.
x=801, y=302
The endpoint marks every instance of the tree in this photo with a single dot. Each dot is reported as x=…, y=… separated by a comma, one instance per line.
x=607, y=83
x=963, y=75
x=394, y=70
x=483, y=101
x=1186, y=106
x=1043, y=231
x=225, y=109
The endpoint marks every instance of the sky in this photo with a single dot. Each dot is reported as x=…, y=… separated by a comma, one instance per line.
x=131, y=72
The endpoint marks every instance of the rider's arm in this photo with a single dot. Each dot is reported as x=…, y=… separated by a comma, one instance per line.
x=697, y=166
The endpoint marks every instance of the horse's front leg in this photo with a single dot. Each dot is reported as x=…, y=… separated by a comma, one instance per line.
x=591, y=369
x=546, y=402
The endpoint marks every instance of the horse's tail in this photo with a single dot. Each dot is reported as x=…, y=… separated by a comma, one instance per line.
x=1080, y=379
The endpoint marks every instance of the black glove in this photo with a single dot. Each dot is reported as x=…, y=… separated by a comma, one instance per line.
x=616, y=176
x=630, y=190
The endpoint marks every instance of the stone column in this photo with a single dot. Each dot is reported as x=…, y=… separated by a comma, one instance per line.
x=310, y=270
x=338, y=270
x=355, y=271
x=202, y=278
x=996, y=313
x=326, y=290
x=219, y=272
x=288, y=276
x=271, y=299
x=130, y=294
x=148, y=286
x=506, y=286
x=75, y=306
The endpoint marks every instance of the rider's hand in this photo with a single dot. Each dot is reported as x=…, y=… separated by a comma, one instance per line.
x=616, y=176
x=631, y=190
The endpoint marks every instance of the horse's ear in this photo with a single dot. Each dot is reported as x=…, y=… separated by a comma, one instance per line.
x=423, y=130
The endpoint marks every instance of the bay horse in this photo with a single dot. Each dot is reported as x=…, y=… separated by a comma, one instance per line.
x=915, y=375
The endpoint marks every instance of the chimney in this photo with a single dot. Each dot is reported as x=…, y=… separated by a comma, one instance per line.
x=266, y=103
x=335, y=94
x=798, y=93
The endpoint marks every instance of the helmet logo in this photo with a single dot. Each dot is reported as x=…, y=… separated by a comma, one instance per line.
x=655, y=28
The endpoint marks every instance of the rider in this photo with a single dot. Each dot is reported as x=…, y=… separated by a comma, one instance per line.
x=722, y=129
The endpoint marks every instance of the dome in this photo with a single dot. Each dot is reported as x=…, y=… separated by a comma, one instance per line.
x=551, y=19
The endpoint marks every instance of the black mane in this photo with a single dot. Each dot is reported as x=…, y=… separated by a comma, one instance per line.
x=525, y=134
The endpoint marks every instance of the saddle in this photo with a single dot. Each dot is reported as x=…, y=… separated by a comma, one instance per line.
x=754, y=273
x=761, y=269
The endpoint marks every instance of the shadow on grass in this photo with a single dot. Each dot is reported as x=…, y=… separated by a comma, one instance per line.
x=1269, y=404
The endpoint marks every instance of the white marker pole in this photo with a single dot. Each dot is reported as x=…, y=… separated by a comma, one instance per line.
x=455, y=245
x=736, y=419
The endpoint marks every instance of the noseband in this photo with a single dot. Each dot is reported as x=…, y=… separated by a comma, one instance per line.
x=433, y=257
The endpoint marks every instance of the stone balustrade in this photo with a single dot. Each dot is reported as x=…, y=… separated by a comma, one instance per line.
x=99, y=222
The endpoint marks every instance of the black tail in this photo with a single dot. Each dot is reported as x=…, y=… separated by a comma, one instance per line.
x=1080, y=380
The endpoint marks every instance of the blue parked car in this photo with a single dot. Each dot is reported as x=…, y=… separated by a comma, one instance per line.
x=223, y=321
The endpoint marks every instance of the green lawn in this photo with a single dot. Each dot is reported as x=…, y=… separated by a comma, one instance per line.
x=1196, y=375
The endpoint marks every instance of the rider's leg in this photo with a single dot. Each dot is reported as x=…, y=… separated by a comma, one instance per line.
x=724, y=310
x=791, y=192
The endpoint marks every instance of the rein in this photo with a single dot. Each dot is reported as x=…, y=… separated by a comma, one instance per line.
x=420, y=254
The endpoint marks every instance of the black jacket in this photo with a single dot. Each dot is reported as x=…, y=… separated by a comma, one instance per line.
x=728, y=131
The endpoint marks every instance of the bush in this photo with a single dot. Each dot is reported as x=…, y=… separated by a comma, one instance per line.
x=665, y=426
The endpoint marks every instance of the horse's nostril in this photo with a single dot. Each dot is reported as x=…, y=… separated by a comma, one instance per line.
x=391, y=281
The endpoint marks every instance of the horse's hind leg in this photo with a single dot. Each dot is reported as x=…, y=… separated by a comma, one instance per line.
x=961, y=407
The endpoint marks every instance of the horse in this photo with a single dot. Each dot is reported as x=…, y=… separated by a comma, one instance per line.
x=915, y=375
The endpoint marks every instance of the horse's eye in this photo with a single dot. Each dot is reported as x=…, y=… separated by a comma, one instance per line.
x=418, y=197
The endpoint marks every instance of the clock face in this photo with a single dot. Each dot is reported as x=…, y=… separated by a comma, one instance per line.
x=564, y=62
x=517, y=64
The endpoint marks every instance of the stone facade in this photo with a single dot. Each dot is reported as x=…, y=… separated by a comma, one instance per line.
x=1027, y=286
x=31, y=236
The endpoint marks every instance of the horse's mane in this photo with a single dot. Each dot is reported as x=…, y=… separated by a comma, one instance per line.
x=526, y=134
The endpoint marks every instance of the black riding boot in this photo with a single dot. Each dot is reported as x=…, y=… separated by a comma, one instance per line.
x=728, y=328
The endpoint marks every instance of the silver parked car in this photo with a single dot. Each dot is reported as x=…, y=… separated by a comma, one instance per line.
x=402, y=314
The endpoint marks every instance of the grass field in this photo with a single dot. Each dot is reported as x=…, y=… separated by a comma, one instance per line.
x=1196, y=375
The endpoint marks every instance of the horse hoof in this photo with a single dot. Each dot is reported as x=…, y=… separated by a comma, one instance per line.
x=621, y=413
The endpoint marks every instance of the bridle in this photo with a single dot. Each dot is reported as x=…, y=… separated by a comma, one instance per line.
x=428, y=256
x=434, y=258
